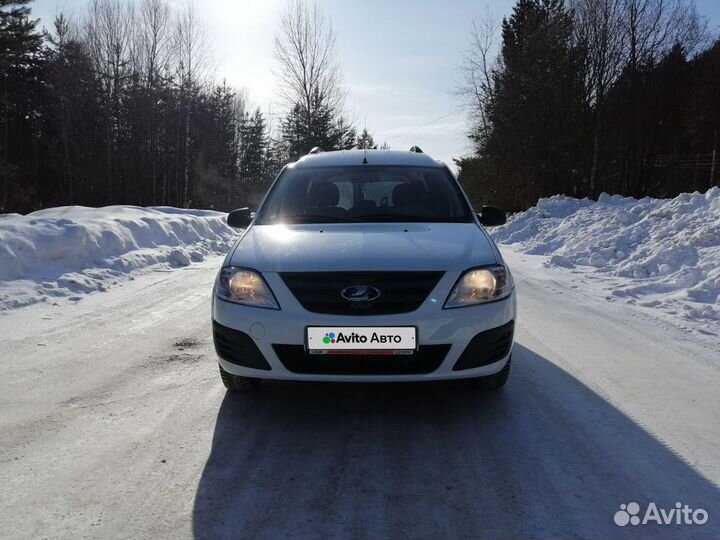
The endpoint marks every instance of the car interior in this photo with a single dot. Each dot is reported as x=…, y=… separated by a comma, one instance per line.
x=416, y=193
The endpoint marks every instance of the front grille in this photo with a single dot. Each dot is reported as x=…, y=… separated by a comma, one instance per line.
x=487, y=347
x=237, y=347
x=400, y=292
x=425, y=360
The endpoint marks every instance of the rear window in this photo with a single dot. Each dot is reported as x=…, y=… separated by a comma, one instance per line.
x=365, y=194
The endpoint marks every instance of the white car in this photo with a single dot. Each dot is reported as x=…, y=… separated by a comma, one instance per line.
x=364, y=266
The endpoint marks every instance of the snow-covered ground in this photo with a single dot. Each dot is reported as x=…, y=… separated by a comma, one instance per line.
x=661, y=255
x=115, y=424
x=74, y=250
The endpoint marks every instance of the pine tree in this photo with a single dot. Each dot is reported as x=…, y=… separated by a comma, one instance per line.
x=278, y=155
x=19, y=40
x=20, y=57
x=365, y=140
x=345, y=135
x=72, y=121
x=303, y=130
x=321, y=126
x=537, y=110
x=254, y=150
x=703, y=120
x=227, y=131
x=296, y=134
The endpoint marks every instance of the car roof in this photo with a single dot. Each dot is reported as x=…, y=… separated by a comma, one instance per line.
x=344, y=158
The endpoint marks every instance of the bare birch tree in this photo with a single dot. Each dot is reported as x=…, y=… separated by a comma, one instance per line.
x=622, y=36
x=309, y=70
x=153, y=50
x=190, y=44
x=109, y=30
x=65, y=32
x=653, y=27
x=153, y=39
x=476, y=84
x=599, y=34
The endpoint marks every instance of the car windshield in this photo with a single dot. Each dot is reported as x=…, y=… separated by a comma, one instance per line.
x=364, y=193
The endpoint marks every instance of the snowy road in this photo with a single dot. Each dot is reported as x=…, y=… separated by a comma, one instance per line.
x=115, y=425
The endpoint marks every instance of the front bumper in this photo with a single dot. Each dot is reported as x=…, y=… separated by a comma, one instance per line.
x=452, y=343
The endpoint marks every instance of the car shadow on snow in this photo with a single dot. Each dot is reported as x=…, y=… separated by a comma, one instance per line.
x=546, y=457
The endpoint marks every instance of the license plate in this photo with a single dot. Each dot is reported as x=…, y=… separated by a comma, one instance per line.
x=349, y=339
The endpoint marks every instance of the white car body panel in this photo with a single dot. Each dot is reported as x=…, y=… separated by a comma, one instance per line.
x=449, y=247
x=435, y=326
x=366, y=246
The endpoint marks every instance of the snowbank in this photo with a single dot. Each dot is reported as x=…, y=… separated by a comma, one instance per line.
x=74, y=250
x=660, y=253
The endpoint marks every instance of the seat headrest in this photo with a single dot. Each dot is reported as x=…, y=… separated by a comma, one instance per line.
x=323, y=193
x=411, y=194
x=366, y=205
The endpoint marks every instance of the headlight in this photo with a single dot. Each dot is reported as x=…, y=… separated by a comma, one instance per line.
x=480, y=285
x=243, y=286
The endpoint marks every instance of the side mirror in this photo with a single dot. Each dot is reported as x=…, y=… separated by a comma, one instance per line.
x=240, y=218
x=491, y=216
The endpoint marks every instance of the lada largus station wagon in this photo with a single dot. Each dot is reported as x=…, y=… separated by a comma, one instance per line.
x=364, y=266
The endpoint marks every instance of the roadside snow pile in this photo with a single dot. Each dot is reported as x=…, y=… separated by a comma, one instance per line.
x=67, y=251
x=655, y=252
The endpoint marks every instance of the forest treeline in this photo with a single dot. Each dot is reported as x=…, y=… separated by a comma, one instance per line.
x=118, y=106
x=579, y=97
x=592, y=96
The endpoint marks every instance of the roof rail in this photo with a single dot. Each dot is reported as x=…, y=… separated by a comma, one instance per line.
x=315, y=150
x=416, y=149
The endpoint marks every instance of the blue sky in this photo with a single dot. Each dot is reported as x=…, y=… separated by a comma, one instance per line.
x=400, y=59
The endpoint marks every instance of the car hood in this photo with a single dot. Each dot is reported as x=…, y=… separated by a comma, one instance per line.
x=363, y=247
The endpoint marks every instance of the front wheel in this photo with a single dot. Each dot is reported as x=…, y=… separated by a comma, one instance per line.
x=496, y=381
x=238, y=383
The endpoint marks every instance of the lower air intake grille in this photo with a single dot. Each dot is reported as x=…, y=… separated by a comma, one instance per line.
x=425, y=360
x=487, y=347
x=237, y=347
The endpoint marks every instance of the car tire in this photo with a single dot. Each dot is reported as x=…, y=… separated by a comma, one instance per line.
x=496, y=381
x=237, y=383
